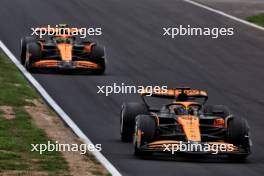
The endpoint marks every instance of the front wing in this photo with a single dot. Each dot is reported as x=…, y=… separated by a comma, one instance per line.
x=66, y=65
x=174, y=147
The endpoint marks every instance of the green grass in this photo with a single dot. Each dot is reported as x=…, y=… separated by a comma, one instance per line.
x=17, y=135
x=257, y=19
x=14, y=89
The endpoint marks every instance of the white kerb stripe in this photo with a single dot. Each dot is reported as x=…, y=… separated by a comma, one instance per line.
x=100, y=157
x=224, y=14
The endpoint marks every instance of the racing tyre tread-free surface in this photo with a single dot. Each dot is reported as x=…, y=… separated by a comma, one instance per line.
x=145, y=132
x=24, y=42
x=98, y=56
x=238, y=134
x=35, y=53
x=128, y=115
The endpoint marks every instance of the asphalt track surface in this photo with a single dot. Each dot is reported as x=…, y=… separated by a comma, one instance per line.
x=230, y=68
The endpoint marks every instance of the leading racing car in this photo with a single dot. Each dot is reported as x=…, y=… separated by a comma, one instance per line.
x=184, y=120
x=62, y=52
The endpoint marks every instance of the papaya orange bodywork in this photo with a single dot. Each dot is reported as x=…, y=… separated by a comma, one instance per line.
x=219, y=122
x=86, y=64
x=160, y=145
x=65, y=51
x=138, y=136
x=55, y=63
x=46, y=63
x=175, y=92
x=191, y=127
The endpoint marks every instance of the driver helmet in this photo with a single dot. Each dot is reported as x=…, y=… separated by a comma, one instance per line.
x=194, y=110
x=180, y=110
x=62, y=40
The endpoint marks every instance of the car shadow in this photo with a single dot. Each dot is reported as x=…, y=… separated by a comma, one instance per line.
x=194, y=158
x=66, y=72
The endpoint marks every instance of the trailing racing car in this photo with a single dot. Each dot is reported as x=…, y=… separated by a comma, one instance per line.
x=185, y=120
x=62, y=52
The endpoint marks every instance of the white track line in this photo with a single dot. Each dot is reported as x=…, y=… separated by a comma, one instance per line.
x=112, y=170
x=224, y=14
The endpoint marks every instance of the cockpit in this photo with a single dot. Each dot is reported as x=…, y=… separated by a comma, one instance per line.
x=63, y=39
x=185, y=108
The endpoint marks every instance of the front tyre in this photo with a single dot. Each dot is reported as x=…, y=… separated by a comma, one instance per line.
x=101, y=69
x=127, y=119
x=24, y=42
x=98, y=56
x=34, y=54
x=238, y=134
x=145, y=132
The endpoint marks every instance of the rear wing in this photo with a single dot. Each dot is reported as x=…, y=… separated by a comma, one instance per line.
x=174, y=93
x=178, y=94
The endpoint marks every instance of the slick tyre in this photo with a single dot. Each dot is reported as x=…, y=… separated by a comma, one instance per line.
x=238, y=135
x=98, y=56
x=128, y=115
x=35, y=54
x=23, y=46
x=145, y=132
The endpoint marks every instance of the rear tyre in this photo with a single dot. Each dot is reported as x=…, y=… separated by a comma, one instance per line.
x=145, y=132
x=34, y=54
x=238, y=134
x=217, y=110
x=127, y=119
x=23, y=45
x=98, y=56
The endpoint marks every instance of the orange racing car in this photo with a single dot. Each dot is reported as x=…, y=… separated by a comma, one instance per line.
x=62, y=52
x=185, y=124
